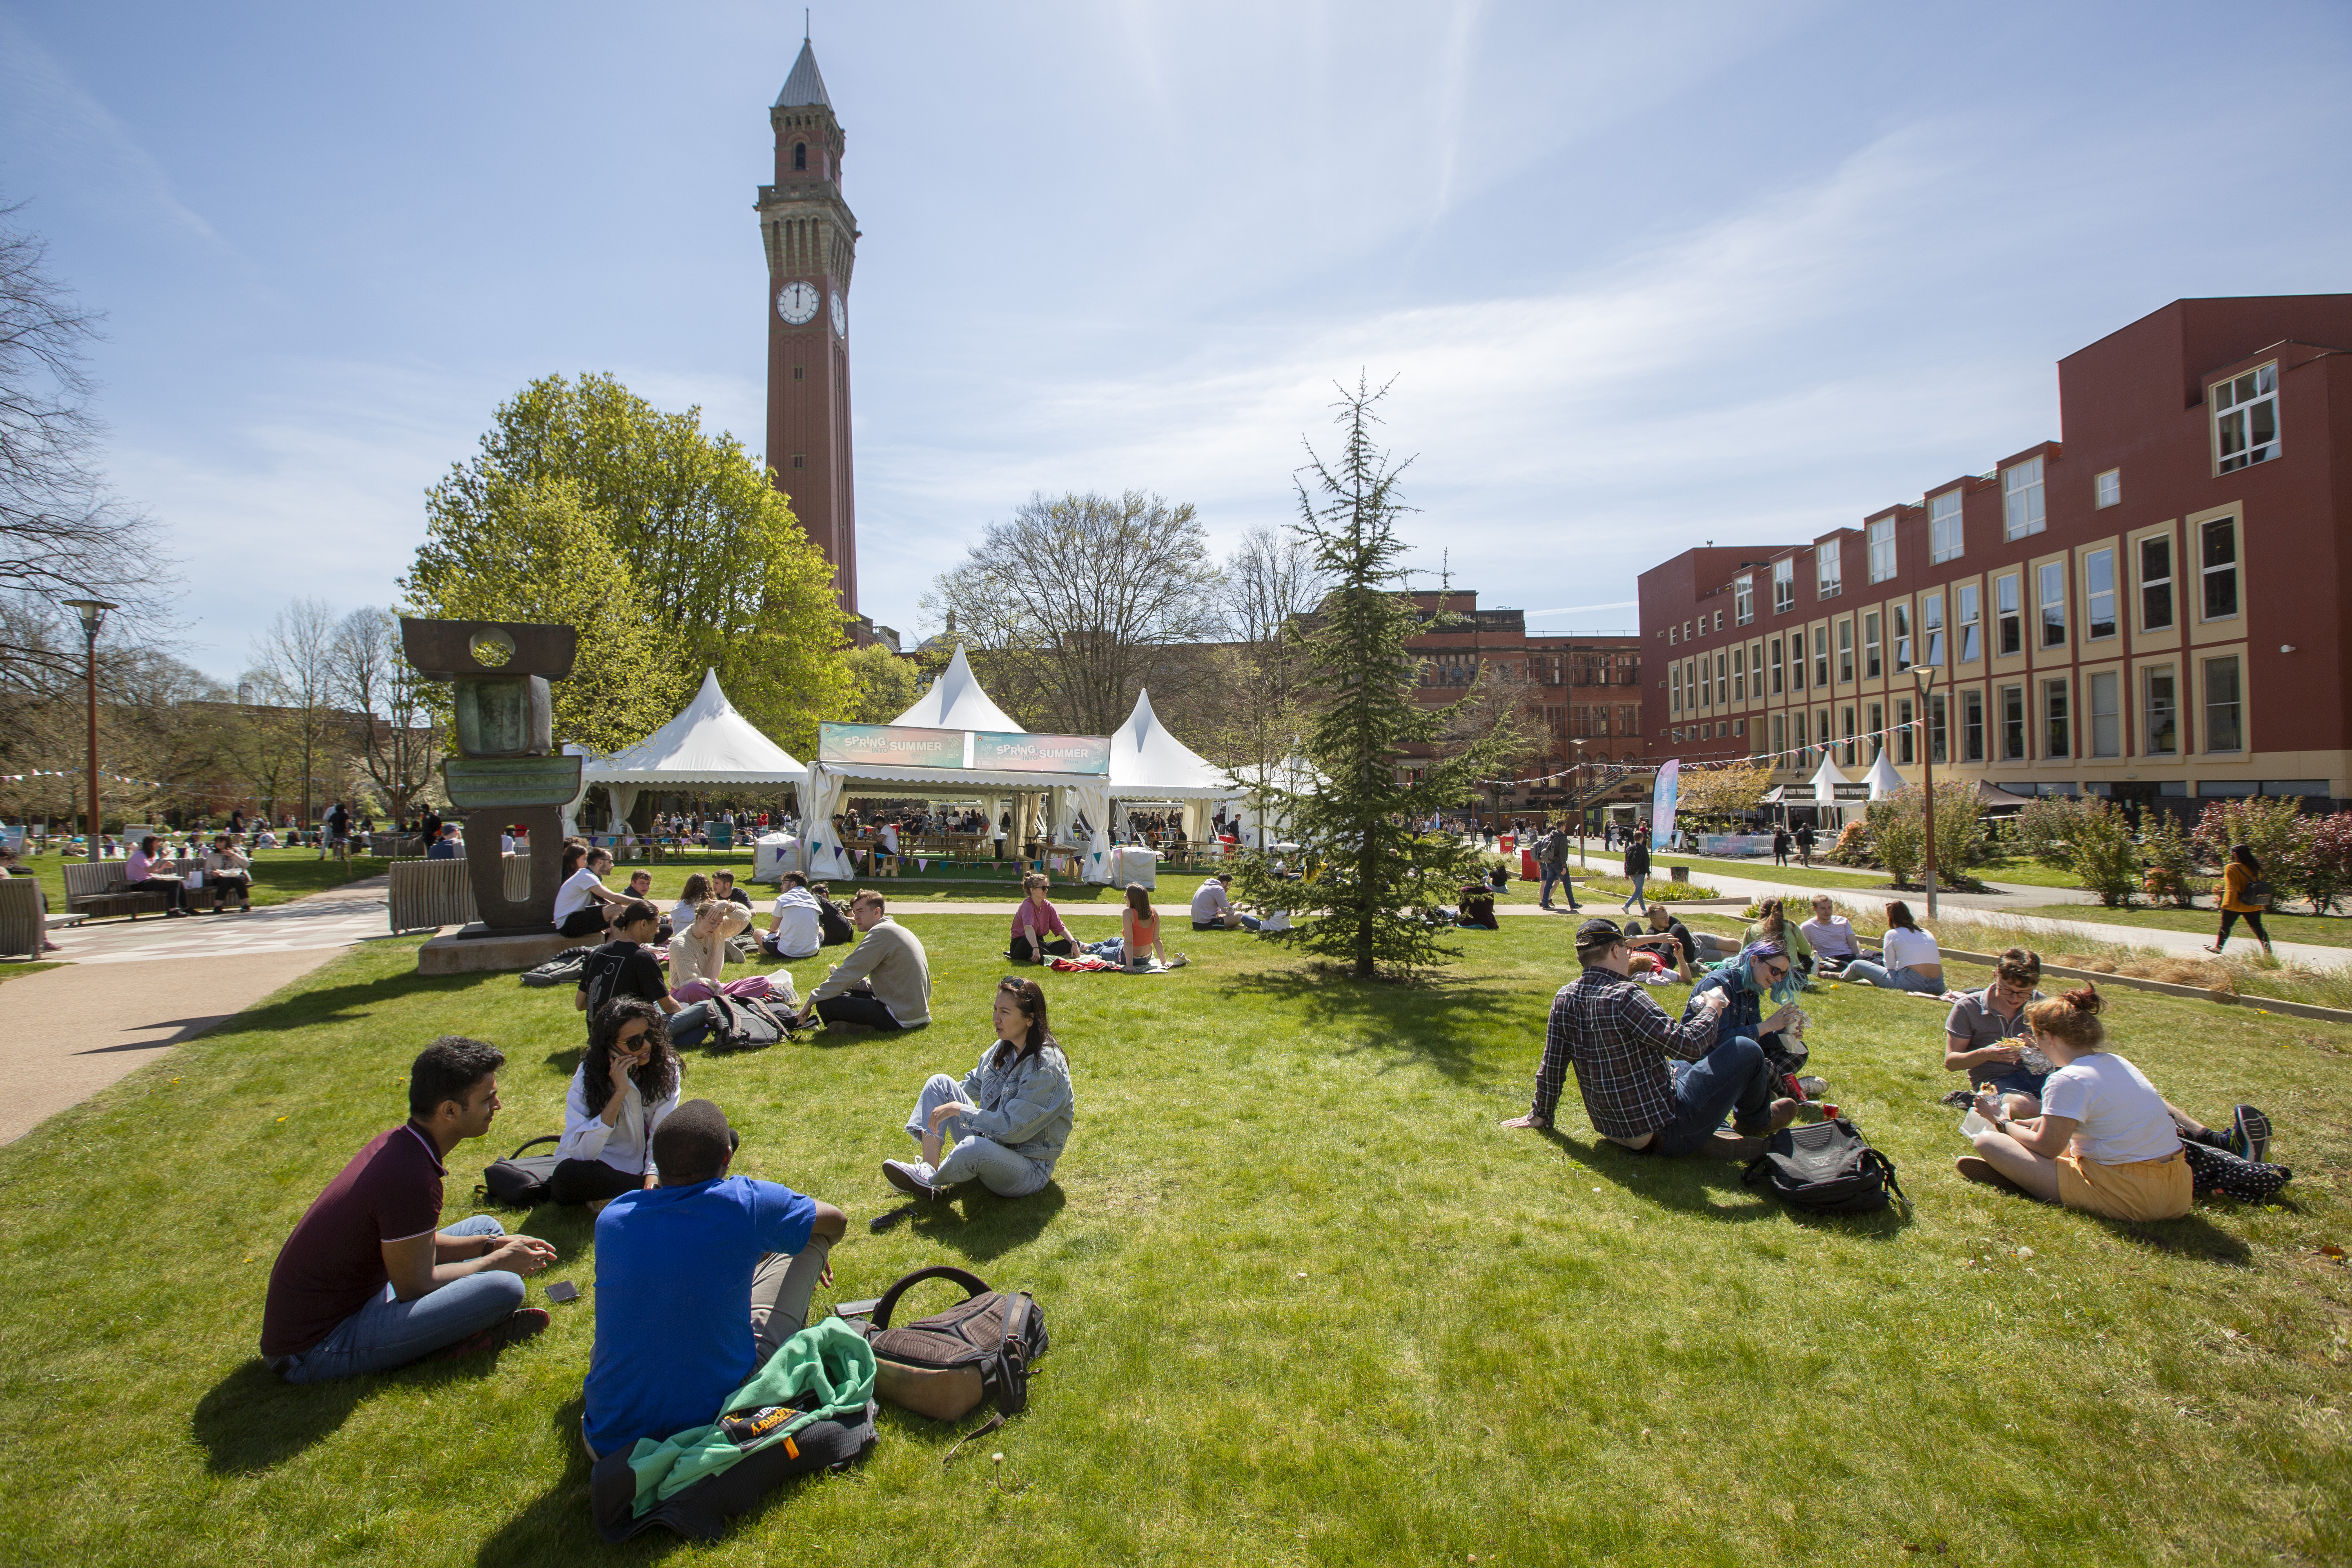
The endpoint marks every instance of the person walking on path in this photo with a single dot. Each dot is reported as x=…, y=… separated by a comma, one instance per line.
x=1637, y=867
x=1552, y=858
x=2244, y=895
x=1780, y=844
x=1805, y=842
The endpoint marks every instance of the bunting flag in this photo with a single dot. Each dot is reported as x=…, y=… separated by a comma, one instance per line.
x=1799, y=753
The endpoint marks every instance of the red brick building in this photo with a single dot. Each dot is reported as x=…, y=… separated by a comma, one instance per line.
x=1581, y=687
x=2151, y=607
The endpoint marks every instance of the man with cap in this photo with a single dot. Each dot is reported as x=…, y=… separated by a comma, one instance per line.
x=699, y=1281
x=1652, y=1084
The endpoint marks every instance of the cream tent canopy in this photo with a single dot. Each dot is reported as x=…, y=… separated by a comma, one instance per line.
x=1148, y=764
x=1882, y=778
x=956, y=701
x=708, y=744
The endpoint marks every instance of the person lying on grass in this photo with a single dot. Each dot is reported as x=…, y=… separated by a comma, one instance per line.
x=1984, y=1036
x=1763, y=971
x=626, y=1084
x=1676, y=954
x=699, y=1281
x=1652, y=1084
x=2106, y=1142
x=1009, y=1116
x=368, y=1280
x=885, y=981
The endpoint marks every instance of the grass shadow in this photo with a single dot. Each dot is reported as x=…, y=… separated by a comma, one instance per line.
x=987, y=1226
x=558, y=1526
x=1426, y=1023
x=2192, y=1236
x=1682, y=1184
x=254, y=1420
x=340, y=1003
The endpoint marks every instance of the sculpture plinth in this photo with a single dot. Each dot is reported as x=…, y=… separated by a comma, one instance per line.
x=506, y=768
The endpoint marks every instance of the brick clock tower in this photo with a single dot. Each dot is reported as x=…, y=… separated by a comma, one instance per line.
x=810, y=239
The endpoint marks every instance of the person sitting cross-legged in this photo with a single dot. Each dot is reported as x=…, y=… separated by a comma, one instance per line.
x=885, y=983
x=1213, y=908
x=1652, y=1084
x=797, y=930
x=580, y=902
x=699, y=1281
x=1831, y=935
x=368, y=1280
x=1038, y=933
x=1764, y=972
x=626, y=1085
x=1009, y=1116
x=1985, y=1034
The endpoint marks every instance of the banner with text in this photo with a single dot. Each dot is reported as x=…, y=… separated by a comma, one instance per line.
x=1662, y=804
x=1000, y=753
x=889, y=745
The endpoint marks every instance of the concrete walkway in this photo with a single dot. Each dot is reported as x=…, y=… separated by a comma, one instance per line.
x=129, y=991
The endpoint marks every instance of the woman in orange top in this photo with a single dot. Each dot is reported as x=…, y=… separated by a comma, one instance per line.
x=2237, y=879
x=1139, y=928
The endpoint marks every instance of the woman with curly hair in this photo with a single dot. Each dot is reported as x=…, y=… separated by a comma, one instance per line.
x=627, y=1082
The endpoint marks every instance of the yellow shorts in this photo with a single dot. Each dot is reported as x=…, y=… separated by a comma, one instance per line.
x=2141, y=1189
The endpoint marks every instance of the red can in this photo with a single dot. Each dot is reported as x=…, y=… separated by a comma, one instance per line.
x=1829, y=1113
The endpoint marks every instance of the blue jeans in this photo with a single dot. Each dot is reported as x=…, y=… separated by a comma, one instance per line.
x=691, y=1025
x=389, y=1333
x=997, y=1168
x=1558, y=875
x=1641, y=881
x=1904, y=979
x=1732, y=1078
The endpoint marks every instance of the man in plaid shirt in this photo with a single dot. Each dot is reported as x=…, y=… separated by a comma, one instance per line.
x=1652, y=1084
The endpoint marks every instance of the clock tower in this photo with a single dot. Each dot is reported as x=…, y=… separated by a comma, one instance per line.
x=810, y=241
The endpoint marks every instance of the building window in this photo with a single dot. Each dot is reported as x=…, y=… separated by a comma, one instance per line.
x=1820, y=656
x=1845, y=727
x=1743, y=599
x=2245, y=419
x=2099, y=595
x=800, y=459
x=1687, y=631
x=2105, y=696
x=1881, y=549
x=1776, y=667
x=1674, y=689
x=1845, y=652
x=2223, y=712
x=1690, y=682
x=2156, y=583
x=1796, y=661
x=799, y=372
x=1902, y=613
x=1827, y=572
x=1944, y=527
x=2057, y=724
x=1821, y=733
x=799, y=155
x=2012, y=723
x=2021, y=499
x=1906, y=745
x=2107, y=489
x=2161, y=704
x=1798, y=721
x=1877, y=717
x=1707, y=682
x=2217, y=556
x=1723, y=678
x=1870, y=667
x=2010, y=631
x=2053, y=605
x=1784, y=586
x=1931, y=627
x=1780, y=737
x=1739, y=675
x=1937, y=744
x=1973, y=737
x=1719, y=620
x=1972, y=629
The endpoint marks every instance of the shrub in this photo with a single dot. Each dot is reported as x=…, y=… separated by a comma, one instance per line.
x=2323, y=859
x=1853, y=847
x=2045, y=830
x=1899, y=833
x=2266, y=824
x=2104, y=854
x=2172, y=860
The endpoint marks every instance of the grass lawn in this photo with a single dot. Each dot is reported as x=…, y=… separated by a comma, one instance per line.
x=15, y=970
x=2025, y=872
x=2326, y=931
x=1309, y=1303
x=278, y=874
x=1792, y=873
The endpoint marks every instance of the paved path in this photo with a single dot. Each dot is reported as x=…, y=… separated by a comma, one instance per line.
x=74, y=1029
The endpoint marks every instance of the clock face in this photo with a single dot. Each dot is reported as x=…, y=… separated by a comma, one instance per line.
x=840, y=316
x=797, y=303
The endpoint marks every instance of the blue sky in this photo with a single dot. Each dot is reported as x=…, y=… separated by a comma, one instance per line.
x=1646, y=275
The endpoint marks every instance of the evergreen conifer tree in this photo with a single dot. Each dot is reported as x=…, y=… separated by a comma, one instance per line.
x=1373, y=871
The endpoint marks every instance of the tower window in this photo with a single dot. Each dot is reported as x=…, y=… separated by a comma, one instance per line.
x=799, y=372
x=800, y=459
x=800, y=155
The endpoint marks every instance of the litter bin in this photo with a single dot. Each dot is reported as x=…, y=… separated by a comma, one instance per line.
x=1678, y=873
x=1528, y=872
x=1509, y=843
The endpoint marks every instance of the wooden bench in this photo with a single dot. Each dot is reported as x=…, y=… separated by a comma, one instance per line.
x=22, y=917
x=430, y=894
x=102, y=889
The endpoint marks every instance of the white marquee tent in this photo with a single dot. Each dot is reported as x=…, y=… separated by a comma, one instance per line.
x=1148, y=764
x=1882, y=778
x=708, y=744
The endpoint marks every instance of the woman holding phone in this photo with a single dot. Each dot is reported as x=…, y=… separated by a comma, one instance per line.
x=627, y=1082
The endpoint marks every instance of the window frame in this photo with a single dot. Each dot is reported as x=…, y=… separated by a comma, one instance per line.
x=1777, y=685
x=1907, y=741
x=2166, y=585
x=1939, y=721
x=2227, y=406
x=2016, y=724
x=2024, y=509
x=1784, y=584
x=1740, y=673
x=2050, y=596
x=2107, y=489
x=2057, y=719
x=1945, y=527
x=1931, y=628
x=1743, y=598
x=2113, y=718
x=1875, y=714
x=2156, y=722
x=1873, y=666
x=2233, y=568
x=2093, y=593
x=1968, y=619
x=1821, y=659
x=1828, y=570
x=1845, y=651
x=1972, y=725
x=1880, y=534
x=1899, y=612
x=2236, y=730
x=2009, y=615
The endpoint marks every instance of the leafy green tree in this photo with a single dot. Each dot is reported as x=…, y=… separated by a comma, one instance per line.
x=2045, y=830
x=539, y=551
x=717, y=564
x=1374, y=874
x=881, y=685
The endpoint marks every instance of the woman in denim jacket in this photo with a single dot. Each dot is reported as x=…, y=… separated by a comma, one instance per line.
x=1009, y=1116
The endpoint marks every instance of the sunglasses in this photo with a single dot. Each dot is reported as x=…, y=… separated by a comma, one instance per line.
x=1776, y=971
x=633, y=1042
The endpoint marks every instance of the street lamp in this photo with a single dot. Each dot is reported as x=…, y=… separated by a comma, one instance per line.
x=1924, y=676
x=1576, y=794
x=93, y=617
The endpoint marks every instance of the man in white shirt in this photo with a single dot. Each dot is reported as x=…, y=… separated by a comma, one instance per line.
x=799, y=930
x=580, y=902
x=1831, y=935
x=1212, y=910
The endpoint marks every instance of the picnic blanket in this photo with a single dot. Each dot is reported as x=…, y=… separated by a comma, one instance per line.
x=1091, y=964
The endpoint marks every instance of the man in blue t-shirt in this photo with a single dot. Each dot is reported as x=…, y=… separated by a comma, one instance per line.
x=698, y=1282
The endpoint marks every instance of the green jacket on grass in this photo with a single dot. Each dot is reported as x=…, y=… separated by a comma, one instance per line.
x=829, y=1361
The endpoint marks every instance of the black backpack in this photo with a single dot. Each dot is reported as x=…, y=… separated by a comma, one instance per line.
x=1825, y=1168
x=944, y=1366
x=563, y=968
x=743, y=1023
x=520, y=1181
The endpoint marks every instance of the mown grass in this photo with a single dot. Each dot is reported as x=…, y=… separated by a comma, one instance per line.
x=278, y=874
x=2322, y=931
x=1309, y=1303
x=15, y=968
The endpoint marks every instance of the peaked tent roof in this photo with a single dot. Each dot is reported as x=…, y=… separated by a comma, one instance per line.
x=1826, y=778
x=805, y=87
x=1146, y=761
x=710, y=743
x=955, y=701
x=1882, y=778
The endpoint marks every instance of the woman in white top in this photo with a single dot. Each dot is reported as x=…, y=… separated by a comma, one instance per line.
x=697, y=951
x=689, y=899
x=2106, y=1142
x=1911, y=961
x=627, y=1082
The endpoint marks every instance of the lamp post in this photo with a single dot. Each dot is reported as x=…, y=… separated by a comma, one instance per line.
x=93, y=617
x=1923, y=675
x=1576, y=794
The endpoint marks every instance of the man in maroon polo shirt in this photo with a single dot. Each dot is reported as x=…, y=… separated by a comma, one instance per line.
x=368, y=1281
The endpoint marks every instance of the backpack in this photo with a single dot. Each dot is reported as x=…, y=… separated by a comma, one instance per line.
x=1825, y=1168
x=563, y=968
x=2259, y=893
x=521, y=1181
x=742, y=1023
x=944, y=1366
